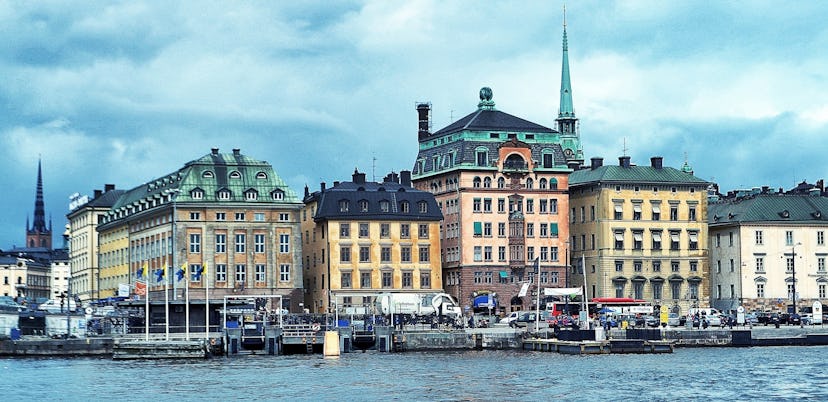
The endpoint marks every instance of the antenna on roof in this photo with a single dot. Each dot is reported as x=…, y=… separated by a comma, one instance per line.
x=374, y=169
x=625, y=149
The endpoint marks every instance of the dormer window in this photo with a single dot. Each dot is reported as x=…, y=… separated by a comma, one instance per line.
x=261, y=176
x=363, y=205
x=344, y=205
x=405, y=207
x=384, y=205
x=197, y=194
x=251, y=195
x=223, y=194
x=235, y=175
x=423, y=207
x=208, y=174
x=277, y=195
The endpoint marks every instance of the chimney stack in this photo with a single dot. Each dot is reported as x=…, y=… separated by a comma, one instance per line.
x=236, y=151
x=109, y=187
x=405, y=178
x=358, y=178
x=97, y=194
x=624, y=161
x=596, y=162
x=214, y=151
x=656, y=162
x=322, y=186
x=423, y=112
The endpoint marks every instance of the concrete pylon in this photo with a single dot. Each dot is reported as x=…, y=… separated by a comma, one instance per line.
x=331, y=345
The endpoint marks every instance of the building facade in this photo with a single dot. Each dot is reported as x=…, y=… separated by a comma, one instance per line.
x=640, y=232
x=767, y=250
x=362, y=238
x=225, y=220
x=84, y=216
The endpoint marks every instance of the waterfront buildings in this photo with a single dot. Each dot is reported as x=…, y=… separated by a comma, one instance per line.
x=224, y=221
x=501, y=182
x=362, y=238
x=640, y=232
x=88, y=282
x=767, y=250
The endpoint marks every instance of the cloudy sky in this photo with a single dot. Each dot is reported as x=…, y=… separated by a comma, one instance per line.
x=124, y=92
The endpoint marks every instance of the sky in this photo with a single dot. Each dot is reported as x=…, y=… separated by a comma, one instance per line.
x=125, y=92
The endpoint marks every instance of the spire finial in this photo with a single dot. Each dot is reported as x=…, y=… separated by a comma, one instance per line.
x=564, y=17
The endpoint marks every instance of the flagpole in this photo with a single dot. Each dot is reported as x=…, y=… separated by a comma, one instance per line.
x=585, y=295
x=166, y=306
x=146, y=310
x=537, y=300
x=187, y=307
x=206, y=278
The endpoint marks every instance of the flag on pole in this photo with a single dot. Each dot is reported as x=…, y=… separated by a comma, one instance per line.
x=179, y=274
x=140, y=288
x=141, y=270
x=160, y=273
x=199, y=271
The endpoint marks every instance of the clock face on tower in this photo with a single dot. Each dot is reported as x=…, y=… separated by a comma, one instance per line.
x=568, y=152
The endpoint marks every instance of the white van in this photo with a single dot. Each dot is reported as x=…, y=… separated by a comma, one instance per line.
x=53, y=306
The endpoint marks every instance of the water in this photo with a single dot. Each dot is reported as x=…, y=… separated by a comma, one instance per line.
x=767, y=373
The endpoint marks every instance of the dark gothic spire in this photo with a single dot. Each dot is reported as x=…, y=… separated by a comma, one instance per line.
x=39, y=224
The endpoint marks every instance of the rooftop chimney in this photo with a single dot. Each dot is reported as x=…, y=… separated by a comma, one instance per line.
x=358, y=178
x=405, y=178
x=423, y=111
x=624, y=161
x=236, y=151
x=109, y=187
x=596, y=162
x=322, y=186
x=97, y=194
x=214, y=151
x=656, y=162
x=336, y=183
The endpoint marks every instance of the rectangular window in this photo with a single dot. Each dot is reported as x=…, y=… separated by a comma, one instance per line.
x=501, y=205
x=694, y=266
x=487, y=205
x=365, y=280
x=239, y=216
x=284, y=217
x=656, y=240
x=424, y=257
x=345, y=280
x=385, y=230
x=194, y=216
x=820, y=238
x=259, y=217
x=693, y=238
x=345, y=254
x=221, y=243
x=284, y=243
x=195, y=243
x=638, y=240
x=553, y=253
x=344, y=230
x=530, y=206
x=656, y=266
x=691, y=214
x=478, y=253
x=675, y=243
x=364, y=254
x=284, y=272
x=405, y=231
x=530, y=253
x=241, y=273
x=477, y=205
x=618, y=212
x=542, y=206
x=501, y=253
x=789, y=238
x=544, y=230
x=674, y=266
x=553, y=206
x=387, y=279
x=619, y=266
x=240, y=242
x=501, y=229
x=258, y=243
x=423, y=231
x=487, y=229
x=619, y=240
x=656, y=290
x=759, y=239
x=221, y=272
x=821, y=291
x=821, y=264
x=673, y=213
x=637, y=267
x=221, y=216
x=530, y=230
x=760, y=264
x=656, y=212
x=405, y=254
x=425, y=281
x=760, y=290
x=385, y=254
x=260, y=273
x=363, y=230
x=675, y=289
x=407, y=279
x=636, y=212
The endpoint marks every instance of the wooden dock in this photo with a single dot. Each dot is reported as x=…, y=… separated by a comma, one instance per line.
x=637, y=346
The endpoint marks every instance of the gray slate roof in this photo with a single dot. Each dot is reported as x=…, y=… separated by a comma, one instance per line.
x=776, y=208
x=492, y=120
x=633, y=174
x=328, y=202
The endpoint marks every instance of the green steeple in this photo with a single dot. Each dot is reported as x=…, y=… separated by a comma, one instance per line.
x=566, y=109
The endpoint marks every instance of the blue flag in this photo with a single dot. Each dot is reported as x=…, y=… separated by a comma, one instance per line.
x=159, y=274
x=198, y=273
x=140, y=273
x=179, y=274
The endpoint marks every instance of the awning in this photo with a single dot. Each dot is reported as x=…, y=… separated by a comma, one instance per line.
x=619, y=236
x=656, y=209
x=638, y=236
x=561, y=291
x=694, y=237
x=636, y=207
x=485, y=301
x=504, y=274
x=657, y=236
x=618, y=208
x=674, y=236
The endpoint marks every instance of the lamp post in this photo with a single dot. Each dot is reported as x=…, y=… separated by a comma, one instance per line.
x=793, y=275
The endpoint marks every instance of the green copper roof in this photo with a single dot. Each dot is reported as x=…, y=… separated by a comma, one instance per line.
x=566, y=108
x=212, y=173
x=633, y=174
x=776, y=208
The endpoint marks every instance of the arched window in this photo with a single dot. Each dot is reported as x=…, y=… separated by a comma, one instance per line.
x=476, y=182
x=235, y=174
x=487, y=182
x=553, y=184
x=261, y=175
x=542, y=184
x=501, y=182
x=529, y=183
x=207, y=174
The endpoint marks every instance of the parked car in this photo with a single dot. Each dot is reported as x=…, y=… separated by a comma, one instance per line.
x=528, y=320
x=807, y=319
x=713, y=320
x=751, y=318
x=794, y=319
x=511, y=317
x=676, y=320
x=652, y=321
x=763, y=317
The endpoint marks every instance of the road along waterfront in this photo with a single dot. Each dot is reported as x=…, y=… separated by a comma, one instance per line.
x=757, y=373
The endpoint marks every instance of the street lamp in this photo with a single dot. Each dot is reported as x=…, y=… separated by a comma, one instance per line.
x=793, y=275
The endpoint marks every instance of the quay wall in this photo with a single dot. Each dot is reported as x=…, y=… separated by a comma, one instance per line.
x=42, y=346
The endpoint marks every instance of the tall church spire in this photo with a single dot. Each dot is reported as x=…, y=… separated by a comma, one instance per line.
x=567, y=122
x=39, y=235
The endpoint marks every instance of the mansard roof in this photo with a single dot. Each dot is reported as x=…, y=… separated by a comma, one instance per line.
x=770, y=208
x=215, y=171
x=633, y=174
x=493, y=120
x=328, y=202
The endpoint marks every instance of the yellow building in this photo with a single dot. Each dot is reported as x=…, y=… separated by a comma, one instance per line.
x=363, y=238
x=641, y=232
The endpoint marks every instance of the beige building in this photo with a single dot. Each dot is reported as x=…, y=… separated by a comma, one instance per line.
x=224, y=214
x=767, y=250
x=641, y=232
x=84, y=216
x=362, y=238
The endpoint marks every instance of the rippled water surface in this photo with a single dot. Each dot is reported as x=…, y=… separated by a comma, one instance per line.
x=768, y=373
